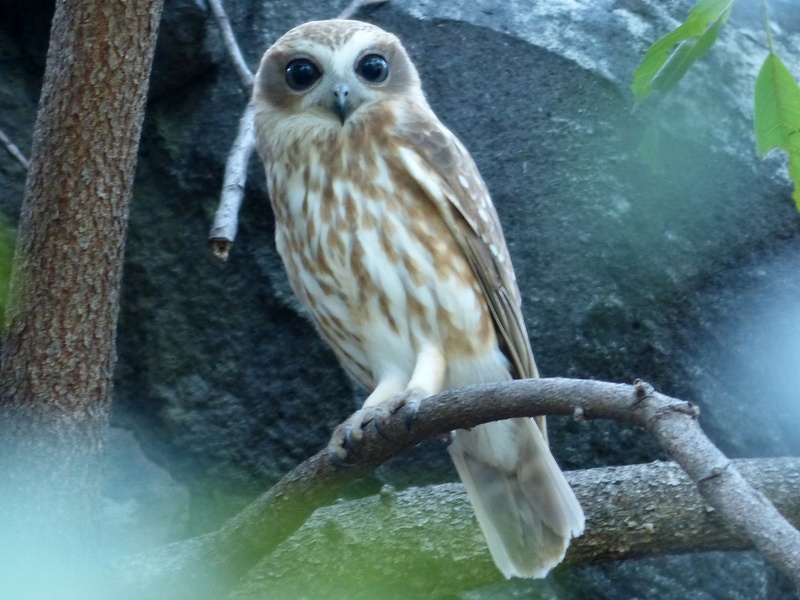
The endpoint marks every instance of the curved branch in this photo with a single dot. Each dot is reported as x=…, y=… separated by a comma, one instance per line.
x=224, y=23
x=217, y=560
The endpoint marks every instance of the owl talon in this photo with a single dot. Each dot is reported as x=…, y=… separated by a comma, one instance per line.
x=338, y=458
x=381, y=421
x=408, y=402
x=347, y=437
x=412, y=408
x=352, y=438
x=337, y=448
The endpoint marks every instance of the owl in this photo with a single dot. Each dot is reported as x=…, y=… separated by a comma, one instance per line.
x=391, y=242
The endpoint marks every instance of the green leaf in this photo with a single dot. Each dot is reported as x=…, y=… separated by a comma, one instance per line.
x=777, y=115
x=670, y=57
x=794, y=165
x=794, y=173
x=777, y=106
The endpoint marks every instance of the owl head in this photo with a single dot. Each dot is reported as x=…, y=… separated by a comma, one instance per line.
x=333, y=71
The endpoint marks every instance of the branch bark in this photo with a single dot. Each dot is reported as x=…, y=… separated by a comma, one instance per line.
x=217, y=560
x=366, y=548
x=58, y=347
x=59, y=344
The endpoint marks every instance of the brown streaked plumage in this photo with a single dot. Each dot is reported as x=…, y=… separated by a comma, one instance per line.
x=390, y=239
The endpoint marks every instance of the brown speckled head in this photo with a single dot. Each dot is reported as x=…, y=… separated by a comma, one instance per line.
x=334, y=79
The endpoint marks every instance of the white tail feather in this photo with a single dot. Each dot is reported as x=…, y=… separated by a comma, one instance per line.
x=524, y=505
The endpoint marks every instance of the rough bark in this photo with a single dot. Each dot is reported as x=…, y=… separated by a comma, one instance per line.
x=58, y=347
x=367, y=548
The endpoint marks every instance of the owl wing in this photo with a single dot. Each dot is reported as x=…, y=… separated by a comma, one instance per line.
x=445, y=171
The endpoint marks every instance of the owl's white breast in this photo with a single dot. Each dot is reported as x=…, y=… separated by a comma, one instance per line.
x=375, y=265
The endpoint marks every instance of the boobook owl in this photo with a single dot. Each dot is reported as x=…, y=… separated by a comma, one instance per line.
x=390, y=240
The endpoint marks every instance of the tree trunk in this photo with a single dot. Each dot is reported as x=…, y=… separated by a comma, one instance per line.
x=59, y=344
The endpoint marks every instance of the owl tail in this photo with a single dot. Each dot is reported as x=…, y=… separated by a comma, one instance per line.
x=524, y=505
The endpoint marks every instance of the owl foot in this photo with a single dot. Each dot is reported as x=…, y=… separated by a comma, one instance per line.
x=407, y=401
x=347, y=437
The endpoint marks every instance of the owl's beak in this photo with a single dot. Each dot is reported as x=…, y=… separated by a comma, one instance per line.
x=341, y=104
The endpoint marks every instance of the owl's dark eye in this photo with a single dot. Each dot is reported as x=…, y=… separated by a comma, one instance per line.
x=301, y=74
x=373, y=68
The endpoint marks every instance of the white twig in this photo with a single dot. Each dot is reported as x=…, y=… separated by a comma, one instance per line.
x=226, y=220
x=14, y=151
x=245, y=74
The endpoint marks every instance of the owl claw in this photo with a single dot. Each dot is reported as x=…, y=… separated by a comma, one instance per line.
x=411, y=402
x=348, y=436
x=412, y=408
x=408, y=402
x=339, y=458
x=381, y=421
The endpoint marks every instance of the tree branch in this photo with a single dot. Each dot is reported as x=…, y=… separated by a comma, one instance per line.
x=217, y=560
x=228, y=37
x=226, y=219
x=366, y=548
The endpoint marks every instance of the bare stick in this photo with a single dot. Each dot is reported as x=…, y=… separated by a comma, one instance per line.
x=14, y=151
x=226, y=219
x=245, y=74
x=218, y=559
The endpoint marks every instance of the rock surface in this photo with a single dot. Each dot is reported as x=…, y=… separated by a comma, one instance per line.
x=678, y=264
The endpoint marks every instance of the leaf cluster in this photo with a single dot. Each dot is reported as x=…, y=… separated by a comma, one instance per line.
x=777, y=94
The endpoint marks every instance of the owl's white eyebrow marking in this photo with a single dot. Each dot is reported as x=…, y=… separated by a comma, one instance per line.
x=312, y=49
x=343, y=57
